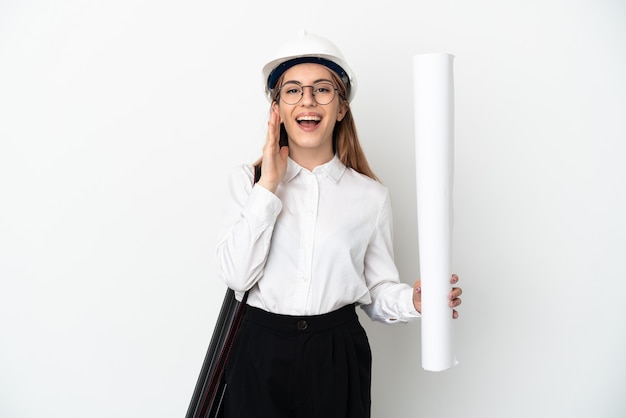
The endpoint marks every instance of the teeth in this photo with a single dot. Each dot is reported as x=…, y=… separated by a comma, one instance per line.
x=313, y=118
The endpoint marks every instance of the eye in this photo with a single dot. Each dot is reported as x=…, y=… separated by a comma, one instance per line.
x=323, y=88
x=291, y=89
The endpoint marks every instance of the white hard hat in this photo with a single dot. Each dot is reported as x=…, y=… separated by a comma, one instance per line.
x=308, y=48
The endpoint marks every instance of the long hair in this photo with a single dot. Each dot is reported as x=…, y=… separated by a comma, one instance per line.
x=345, y=138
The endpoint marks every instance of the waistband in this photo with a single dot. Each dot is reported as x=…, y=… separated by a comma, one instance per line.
x=308, y=323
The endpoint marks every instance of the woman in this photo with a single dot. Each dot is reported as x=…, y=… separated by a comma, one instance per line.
x=309, y=241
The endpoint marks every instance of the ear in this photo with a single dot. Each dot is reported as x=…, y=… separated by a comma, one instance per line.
x=342, y=112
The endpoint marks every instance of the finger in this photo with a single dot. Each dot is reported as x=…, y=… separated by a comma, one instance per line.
x=454, y=279
x=277, y=121
x=455, y=302
x=456, y=292
x=273, y=127
x=417, y=286
x=455, y=314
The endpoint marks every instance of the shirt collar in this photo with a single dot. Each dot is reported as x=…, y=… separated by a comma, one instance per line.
x=334, y=169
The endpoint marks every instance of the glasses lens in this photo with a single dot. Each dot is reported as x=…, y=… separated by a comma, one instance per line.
x=291, y=93
x=323, y=93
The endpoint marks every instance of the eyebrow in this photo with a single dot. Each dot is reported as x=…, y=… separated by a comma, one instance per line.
x=315, y=82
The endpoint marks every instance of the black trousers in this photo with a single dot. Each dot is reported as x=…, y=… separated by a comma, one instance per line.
x=299, y=367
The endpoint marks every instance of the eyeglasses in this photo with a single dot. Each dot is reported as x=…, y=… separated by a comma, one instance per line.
x=323, y=92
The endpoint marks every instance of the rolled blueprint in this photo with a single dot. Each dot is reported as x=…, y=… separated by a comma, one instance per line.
x=434, y=151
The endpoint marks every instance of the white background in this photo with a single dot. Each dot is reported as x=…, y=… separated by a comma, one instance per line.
x=119, y=120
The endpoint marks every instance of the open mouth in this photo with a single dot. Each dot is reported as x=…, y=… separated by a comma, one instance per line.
x=308, y=120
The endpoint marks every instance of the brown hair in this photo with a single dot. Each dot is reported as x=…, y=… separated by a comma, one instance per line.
x=345, y=138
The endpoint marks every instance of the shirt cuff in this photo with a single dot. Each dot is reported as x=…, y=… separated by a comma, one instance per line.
x=263, y=206
x=409, y=308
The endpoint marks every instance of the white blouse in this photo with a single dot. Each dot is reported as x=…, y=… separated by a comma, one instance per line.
x=323, y=241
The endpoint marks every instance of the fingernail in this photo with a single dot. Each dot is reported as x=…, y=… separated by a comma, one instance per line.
x=417, y=290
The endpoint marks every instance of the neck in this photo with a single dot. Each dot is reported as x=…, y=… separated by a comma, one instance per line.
x=310, y=159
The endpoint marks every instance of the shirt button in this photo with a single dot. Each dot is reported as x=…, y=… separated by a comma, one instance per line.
x=302, y=325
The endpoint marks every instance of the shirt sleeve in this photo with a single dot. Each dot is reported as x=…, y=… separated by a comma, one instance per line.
x=392, y=300
x=249, y=215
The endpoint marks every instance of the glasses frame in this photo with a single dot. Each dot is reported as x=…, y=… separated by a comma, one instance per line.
x=334, y=88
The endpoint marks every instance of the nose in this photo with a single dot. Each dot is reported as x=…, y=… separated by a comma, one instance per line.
x=308, y=99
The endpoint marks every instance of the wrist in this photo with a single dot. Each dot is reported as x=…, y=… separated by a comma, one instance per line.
x=268, y=184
